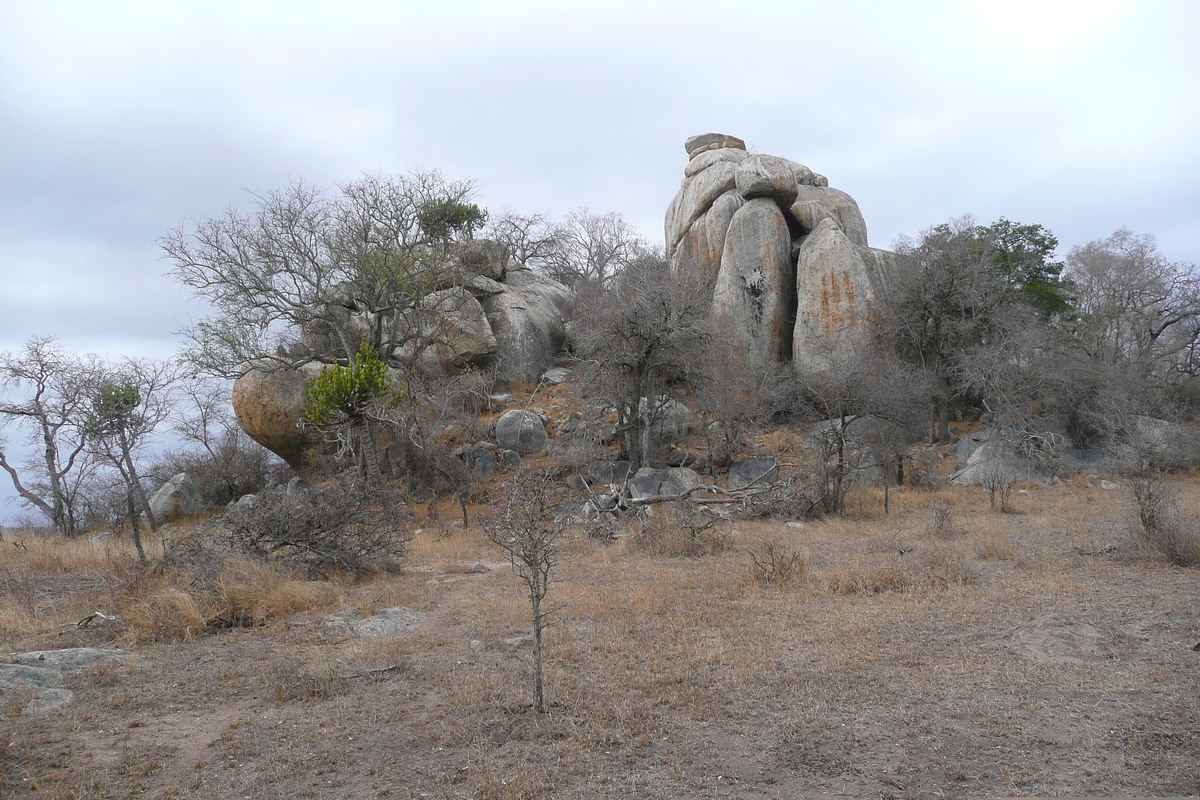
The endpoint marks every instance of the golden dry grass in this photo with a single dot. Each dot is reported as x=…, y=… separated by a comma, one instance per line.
x=890, y=665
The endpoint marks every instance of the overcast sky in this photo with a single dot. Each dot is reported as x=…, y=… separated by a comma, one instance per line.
x=122, y=120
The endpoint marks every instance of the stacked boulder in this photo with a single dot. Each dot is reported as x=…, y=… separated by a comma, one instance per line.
x=783, y=256
x=485, y=314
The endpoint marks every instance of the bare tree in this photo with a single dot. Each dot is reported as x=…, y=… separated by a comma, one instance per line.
x=50, y=394
x=1135, y=306
x=734, y=397
x=310, y=274
x=221, y=459
x=529, y=527
x=865, y=408
x=127, y=403
x=645, y=337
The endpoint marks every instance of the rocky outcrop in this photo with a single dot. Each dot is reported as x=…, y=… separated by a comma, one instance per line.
x=528, y=319
x=486, y=313
x=783, y=255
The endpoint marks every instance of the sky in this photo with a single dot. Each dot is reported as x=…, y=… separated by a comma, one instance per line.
x=120, y=121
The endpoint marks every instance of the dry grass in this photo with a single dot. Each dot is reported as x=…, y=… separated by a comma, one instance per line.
x=891, y=666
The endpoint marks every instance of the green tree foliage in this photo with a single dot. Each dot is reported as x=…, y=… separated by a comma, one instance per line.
x=342, y=399
x=448, y=220
x=1024, y=258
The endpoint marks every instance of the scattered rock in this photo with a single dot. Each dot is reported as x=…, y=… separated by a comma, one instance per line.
x=797, y=526
x=646, y=483
x=556, y=375
x=387, y=622
x=1108, y=486
x=758, y=471
x=522, y=431
x=22, y=678
x=476, y=645
x=484, y=466
x=70, y=658
x=178, y=498
x=49, y=699
x=576, y=481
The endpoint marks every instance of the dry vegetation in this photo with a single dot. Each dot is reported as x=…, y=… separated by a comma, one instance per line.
x=942, y=650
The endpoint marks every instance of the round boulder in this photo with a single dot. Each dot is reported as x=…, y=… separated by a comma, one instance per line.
x=269, y=405
x=522, y=431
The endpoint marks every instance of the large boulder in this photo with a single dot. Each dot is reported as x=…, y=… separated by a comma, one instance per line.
x=758, y=471
x=669, y=420
x=457, y=331
x=178, y=498
x=522, y=431
x=782, y=255
x=835, y=299
x=753, y=298
x=529, y=321
x=268, y=401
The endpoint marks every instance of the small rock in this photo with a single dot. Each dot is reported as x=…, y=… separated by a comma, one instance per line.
x=1108, y=486
x=51, y=698
x=387, y=622
x=576, y=481
x=476, y=645
x=797, y=526
x=556, y=375
x=517, y=641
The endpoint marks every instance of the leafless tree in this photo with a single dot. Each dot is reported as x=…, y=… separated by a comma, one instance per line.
x=529, y=527
x=865, y=407
x=46, y=392
x=126, y=404
x=1135, y=306
x=531, y=239
x=734, y=397
x=645, y=337
x=309, y=274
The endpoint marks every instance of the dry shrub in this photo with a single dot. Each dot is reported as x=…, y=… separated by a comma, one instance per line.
x=291, y=680
x=680, y=531
x=932, y=570
x=775, y=563
x=995, y=545
x=1159, y=524
x=154, y=611
x=251, y=594
x=347, y=526
x=941, y=524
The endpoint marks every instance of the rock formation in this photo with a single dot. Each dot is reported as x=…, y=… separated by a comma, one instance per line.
x=783, y=255
x=484, y=314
